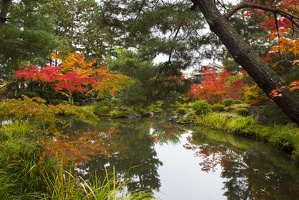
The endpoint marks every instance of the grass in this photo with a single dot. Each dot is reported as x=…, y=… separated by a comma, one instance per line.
x=26, y=173
x=285, y=137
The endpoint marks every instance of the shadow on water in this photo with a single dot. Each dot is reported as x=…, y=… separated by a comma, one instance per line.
x=244, y=168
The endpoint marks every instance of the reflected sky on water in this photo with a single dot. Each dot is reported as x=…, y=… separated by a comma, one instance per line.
x=181, y=176
x=175, y=163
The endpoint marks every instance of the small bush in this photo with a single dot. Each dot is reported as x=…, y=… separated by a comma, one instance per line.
x=237, y=101
x=182, y=110
x=102, y=107
x=217, y=107
x=201, y=107
x=227, y=102
x=242, y=111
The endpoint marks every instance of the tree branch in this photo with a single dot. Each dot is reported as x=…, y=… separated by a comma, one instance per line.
x=276, y=11
x=5, y=4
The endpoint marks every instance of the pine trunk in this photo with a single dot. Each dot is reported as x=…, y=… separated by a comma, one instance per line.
x=245, y=56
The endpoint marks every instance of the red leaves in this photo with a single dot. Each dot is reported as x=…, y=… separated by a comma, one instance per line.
x=77, y=149
x=216, y=87
x=75, y=75
x=73, y=83
x=70, y=81
x=278, y=91
x=33, y=73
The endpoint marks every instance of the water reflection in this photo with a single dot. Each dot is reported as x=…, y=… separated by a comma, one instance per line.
x=251, y=169
x=134, y=157
x=154, y=154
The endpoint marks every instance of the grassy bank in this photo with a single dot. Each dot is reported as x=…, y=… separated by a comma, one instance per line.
x=285, y=137
x=27, y=172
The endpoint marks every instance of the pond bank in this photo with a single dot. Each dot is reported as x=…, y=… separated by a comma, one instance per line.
x=285, y=137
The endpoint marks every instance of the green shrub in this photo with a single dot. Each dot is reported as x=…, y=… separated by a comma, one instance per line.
x=217, y=107
x=215, y=120
x=227, y=102
x=237, y=102
x=242, y=111
x=102, y=107
x=181, y=110
x=201, y=107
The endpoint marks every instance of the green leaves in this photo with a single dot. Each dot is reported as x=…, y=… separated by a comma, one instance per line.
x=35, y=109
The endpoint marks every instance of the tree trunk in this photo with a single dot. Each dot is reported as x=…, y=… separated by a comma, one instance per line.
x=4, y=11
x=245, y=56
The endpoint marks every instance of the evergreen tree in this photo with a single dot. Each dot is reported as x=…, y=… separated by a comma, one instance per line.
x=26, y=34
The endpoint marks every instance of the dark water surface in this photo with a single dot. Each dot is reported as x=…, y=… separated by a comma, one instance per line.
x=178, y=162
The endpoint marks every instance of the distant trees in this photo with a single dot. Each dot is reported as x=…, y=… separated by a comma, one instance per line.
x=31, y=30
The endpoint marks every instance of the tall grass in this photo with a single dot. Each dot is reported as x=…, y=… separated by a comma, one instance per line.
x=26, y=173
x=19, y=163
x=214, y=120
x=67, y=186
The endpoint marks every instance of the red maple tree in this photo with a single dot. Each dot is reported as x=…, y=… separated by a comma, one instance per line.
x=216, y=87
x=75, y=74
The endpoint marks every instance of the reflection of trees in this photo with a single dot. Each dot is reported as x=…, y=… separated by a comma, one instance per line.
x=164, y=131
x=267, y=179
x=251, y=169
x=134, y=158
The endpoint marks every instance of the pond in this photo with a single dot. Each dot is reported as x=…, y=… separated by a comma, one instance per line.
x=177, y=162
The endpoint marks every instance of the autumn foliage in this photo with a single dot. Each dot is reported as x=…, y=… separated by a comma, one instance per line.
x=75, y=75
x=283, y=39
x=216, y=87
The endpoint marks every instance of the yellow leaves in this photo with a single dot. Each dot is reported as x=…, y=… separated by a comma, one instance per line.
x=285, y=46
x=255, y=96
x=282, y=32
x=108, y=83
x=76, y=62
x=286, y=43
x=55, y=57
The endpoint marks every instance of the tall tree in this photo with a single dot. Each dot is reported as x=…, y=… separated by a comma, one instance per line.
x=26, y=34
x=179, y=35
x=245, y=55
x=78, y=26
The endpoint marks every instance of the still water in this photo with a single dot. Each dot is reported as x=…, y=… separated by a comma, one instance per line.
x=180, y=162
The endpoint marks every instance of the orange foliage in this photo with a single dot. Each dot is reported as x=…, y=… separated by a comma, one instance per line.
x=75, y=62
x=74, y=149
x=217, y=87
x=76, y=75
